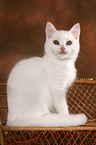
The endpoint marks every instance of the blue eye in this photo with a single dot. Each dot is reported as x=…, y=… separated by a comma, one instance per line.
x=68, y=42
x=56, y=42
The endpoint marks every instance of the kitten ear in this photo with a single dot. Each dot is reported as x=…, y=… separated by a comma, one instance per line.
x=50, y=29
x=75, y=30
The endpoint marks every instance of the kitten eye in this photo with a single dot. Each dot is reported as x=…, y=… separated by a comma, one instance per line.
x=69, y=42
x=56, y=42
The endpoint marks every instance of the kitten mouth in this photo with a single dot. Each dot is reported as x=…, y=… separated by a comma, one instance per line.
x=62, y=52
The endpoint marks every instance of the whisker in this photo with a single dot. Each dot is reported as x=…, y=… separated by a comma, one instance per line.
x=83, y=57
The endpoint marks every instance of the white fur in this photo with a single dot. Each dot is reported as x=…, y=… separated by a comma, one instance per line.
x=36, y=88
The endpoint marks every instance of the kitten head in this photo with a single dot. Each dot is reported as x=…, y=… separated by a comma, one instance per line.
x=62, y=44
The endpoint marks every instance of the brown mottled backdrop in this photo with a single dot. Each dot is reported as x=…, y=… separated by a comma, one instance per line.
x=22, y=26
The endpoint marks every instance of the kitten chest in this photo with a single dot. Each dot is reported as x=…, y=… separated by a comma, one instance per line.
x=61, y=75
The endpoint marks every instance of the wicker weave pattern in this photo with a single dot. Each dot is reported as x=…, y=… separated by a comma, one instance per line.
x=3, y=103
x=49, y=137
x=82, y=98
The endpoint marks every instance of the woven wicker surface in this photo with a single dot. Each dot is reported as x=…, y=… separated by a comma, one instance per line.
x=85, y=137
x=81, y=99
x=87, y=126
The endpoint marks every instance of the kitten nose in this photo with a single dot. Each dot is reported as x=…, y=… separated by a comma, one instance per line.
x=62, y=49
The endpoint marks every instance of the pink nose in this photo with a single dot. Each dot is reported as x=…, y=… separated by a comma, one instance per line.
x=62, y=49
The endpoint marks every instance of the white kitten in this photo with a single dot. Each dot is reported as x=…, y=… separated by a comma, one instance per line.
x=37, y=87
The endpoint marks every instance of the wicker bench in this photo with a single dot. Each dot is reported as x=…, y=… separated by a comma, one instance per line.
x=81, y=98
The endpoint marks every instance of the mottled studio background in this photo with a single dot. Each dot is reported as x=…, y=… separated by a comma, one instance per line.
x=22, y=30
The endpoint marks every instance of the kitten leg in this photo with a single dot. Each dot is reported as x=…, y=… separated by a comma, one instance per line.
x=59, y=101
